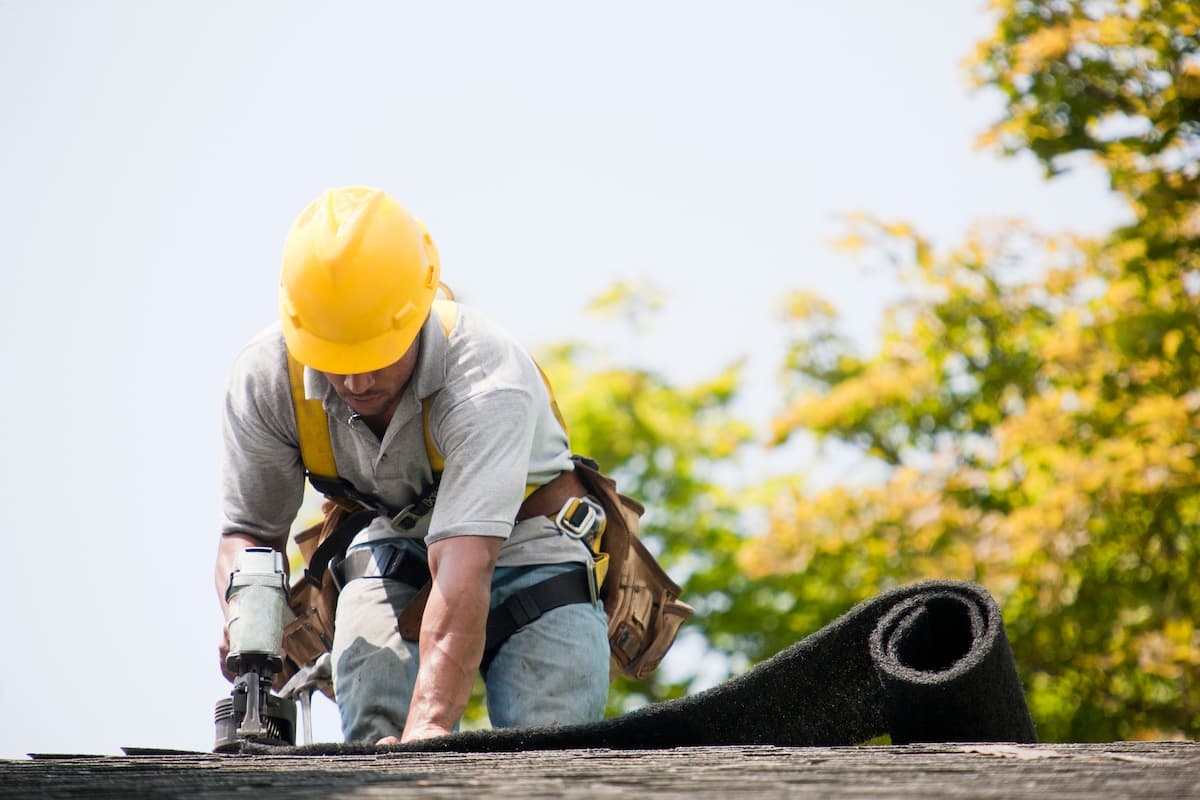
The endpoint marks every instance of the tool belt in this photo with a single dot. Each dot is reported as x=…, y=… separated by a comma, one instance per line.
x=641, y=601
x=517, y=611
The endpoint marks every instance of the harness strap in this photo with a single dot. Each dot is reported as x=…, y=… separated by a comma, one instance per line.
x=547, y=499
x=401, y=565
x=312, y=425
x=529, y=604
x=335, y=544
x=447, y=312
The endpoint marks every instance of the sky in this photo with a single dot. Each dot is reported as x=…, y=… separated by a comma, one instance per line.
x=154, y=154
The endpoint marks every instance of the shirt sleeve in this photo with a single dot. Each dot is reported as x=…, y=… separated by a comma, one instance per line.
x=262, y=476
x=486, y=439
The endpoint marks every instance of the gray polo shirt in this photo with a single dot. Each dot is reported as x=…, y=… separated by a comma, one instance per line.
x=490, y=417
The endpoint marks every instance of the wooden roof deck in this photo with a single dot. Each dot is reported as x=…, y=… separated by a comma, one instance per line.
x=1045, y=772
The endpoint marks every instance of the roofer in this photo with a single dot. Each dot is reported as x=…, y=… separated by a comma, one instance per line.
x=357, y=306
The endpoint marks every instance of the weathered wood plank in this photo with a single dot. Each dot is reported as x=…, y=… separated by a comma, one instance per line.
x=1038, y=772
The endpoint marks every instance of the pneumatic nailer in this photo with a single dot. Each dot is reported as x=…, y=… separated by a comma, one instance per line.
x=257, y=597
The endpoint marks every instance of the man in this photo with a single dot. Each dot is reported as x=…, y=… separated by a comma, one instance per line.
x=357, y=310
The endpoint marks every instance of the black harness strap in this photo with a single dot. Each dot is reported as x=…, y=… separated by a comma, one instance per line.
x=344, y=492
x=400, y=565
x=528, y=604
x=340, y=491
x=335, y=544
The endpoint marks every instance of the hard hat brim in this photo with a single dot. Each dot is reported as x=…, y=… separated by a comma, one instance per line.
x=354, y=358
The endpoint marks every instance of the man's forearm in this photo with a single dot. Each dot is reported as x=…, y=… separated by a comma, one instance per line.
x=452, y=633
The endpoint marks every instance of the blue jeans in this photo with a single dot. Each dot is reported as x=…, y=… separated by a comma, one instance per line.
x=553, y=671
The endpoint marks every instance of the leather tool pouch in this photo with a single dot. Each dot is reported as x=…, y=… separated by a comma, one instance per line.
x=641, y=601
x=310, y=632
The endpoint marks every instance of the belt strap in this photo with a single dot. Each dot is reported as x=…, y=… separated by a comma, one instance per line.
x=335, y=544
x=401, y=565
x=548, y=500
x=527, y=605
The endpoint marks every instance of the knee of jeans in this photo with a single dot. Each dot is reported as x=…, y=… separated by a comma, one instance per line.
x=553, y=671
x=373, y=668
x=373, y=685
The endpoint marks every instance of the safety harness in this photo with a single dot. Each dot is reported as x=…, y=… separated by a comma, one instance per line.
x=563, y=500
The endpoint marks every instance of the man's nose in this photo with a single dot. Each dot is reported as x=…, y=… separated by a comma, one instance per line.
x=360, y=383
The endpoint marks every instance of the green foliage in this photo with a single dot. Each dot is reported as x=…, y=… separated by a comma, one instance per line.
x=1116, y=80
x=1035, y=399
x=1033, y=407
x=665, y=444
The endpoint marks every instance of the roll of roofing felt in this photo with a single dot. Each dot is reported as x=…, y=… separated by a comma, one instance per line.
x=928, y=662
x=947, y=670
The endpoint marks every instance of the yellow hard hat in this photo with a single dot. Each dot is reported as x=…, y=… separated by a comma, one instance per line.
x=359, y=277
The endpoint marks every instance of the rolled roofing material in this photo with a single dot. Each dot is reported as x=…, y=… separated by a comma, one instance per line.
x=929, y=662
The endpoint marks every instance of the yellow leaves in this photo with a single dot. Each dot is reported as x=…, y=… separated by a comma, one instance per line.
x=901, y=531
x=924, y=254
x=634, y=301
x=1189, y=79
x=1122, y=294
x=1186, y=17
x=1060, y=281
x=801, y=306
x=851, y=243
x=1046, y=44
x=1128, y=250
x=1160, y=452
x=1067, y=349
x=885, y=384
x=1071, y=491
x=989, y=138
x=1112, y=31
x=1007, y=134
x=888, y=241
x=1172, y=652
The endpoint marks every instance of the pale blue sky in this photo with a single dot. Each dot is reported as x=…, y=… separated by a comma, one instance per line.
x=153, y=154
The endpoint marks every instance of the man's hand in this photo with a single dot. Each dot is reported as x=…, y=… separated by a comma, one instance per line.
x=228, y=549
x=223, y=652
x=453, y=629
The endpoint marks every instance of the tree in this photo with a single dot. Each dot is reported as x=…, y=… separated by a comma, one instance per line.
x=1033, y=407
x=667, y=445
x=1035, y=400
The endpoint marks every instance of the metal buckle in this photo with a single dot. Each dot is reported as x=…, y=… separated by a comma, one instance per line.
x=406, y=519
x=580, y=517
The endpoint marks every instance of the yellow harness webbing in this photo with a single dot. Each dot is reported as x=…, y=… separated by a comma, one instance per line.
x=312, y=423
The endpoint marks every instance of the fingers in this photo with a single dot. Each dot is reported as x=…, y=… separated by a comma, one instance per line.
x=223, y=653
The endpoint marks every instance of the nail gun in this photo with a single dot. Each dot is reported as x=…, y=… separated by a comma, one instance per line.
x=257, y=596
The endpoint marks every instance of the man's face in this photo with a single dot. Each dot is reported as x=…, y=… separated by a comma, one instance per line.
x=375, y=395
